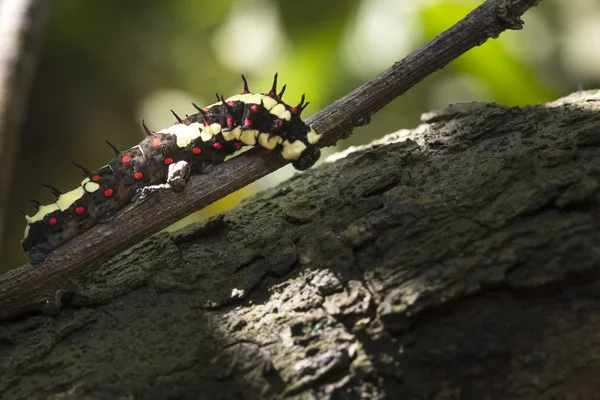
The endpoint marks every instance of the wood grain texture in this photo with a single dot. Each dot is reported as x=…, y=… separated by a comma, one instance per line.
x=40, y=287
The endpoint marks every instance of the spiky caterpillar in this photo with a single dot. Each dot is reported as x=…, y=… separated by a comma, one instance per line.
x=198, y=142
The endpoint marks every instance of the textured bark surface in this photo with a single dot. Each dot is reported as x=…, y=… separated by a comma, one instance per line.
x=461, y=263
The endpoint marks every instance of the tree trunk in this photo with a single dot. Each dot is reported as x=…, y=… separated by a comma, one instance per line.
x=454, y=261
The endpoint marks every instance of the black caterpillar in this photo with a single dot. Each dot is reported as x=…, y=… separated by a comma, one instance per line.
x=201, y=140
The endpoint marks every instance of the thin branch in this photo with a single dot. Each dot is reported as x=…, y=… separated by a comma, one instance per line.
x=40, y=287
x=22, y=25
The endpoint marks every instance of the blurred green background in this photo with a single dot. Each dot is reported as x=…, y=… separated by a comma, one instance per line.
x=107, y=62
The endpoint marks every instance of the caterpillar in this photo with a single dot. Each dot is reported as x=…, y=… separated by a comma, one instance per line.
x=197, y=142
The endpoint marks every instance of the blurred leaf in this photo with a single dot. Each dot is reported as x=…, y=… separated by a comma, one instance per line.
x=511, y=81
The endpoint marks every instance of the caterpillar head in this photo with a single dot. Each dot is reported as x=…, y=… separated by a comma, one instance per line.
x=307, y=159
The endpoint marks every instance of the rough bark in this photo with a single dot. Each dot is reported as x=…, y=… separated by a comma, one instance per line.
x=456, y=260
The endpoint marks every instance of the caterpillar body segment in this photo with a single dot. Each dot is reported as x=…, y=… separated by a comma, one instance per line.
x=202, y=140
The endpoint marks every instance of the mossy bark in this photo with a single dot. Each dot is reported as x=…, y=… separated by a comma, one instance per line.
x=455, y=260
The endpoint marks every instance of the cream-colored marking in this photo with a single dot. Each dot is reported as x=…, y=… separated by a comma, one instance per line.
x=90, y=186
x=205, y=133
x=252, y=98
x=229, y=135
x=26, y=232
x=264, y=141
x=313, y=137
x=42, y=212
x=286, y=115
x=291, y=151
x=280, y=112
x=273, y=106
x=249, y=137
x=185, y=133
x=278, y=109
x=237, y=133
x=65, y=200
x=215, y=129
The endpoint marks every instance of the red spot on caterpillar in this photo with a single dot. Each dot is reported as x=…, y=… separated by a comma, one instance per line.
x=156, y=142
x=238, y=145
x=52, y=221
x=108, y=192
x=229, y=121
x=207, y=123
x=196, y=150
x=205, y=109
x=231, y=103
x=126, y=159
x=217, y=145
x=168, y=160
x=247, y=122
x=96, y=178
x=254, y=107
x=80, y=210
x=294, y=110
x=271, y=93
x=138, y=175
x=280, y=123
